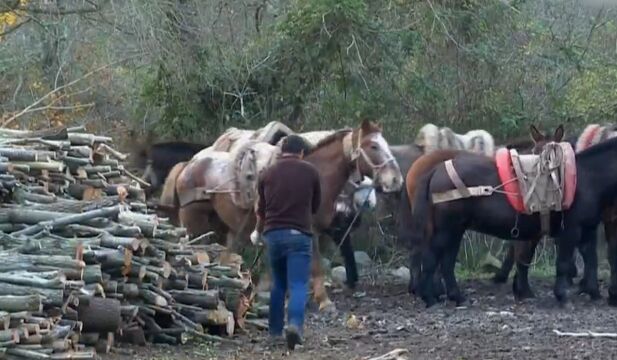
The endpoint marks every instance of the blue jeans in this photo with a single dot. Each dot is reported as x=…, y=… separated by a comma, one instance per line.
x=289, y=252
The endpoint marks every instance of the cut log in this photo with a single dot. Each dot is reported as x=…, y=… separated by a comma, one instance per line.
x=104, y=344
x=198, y=280
x=9, y=335
x=33, y=339
x=133, y=335
x=216, y=317
x=207, y=299
x=129, y=311
x=100, y=315
x=226, y=282
x=28, y=354
x=75, y=355
x=10, y=261
x=5, y=320
x=152, y=298
x=69, y=219
x=61, y=345
x=12, y=303
x=50, y=296
x=110, y=241
x=177, y=284
x=130, y=291
x=51, y=280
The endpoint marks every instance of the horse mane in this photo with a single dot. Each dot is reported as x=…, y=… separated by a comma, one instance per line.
x=598, y=148
x=336, y=136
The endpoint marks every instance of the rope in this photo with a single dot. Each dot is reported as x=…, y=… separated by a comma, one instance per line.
x=353, y=221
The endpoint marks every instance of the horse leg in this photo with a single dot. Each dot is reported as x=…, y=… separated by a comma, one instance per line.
x=588, y=249
x=429, y=264
x=508, y=262
x=319, y=289
x=565, y=251
x=610, y=230
x=450, y=253
x=523, y=253
x=415, y=264
x=351, y=268
x=432, y=259
x=438, y=283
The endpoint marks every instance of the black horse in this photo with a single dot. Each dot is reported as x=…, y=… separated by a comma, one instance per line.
x=158, y=159
x=517, y=251
x=493, y=215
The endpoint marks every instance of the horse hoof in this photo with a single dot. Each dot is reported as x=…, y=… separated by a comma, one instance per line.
x=327, y=307
x=612, y=299
x=594, y=295
x=429, y=301
x=561, y=298
x=458, y=299
x=500, y=278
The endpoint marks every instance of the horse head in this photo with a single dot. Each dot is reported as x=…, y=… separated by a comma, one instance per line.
x=541, y=139
x=372, y=157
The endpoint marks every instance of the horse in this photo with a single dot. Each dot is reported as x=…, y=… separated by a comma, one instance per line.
x=345, y=154
x=424, y=164
x=592, y=135
x=397, y=203
x=494, y=215
x=158, y=159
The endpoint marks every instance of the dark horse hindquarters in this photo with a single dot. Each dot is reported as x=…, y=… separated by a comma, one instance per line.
x=494, y=216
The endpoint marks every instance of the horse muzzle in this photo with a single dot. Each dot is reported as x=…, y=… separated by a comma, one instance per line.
x=389, y=180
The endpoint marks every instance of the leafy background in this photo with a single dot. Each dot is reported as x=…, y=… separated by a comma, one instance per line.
x=141, y=70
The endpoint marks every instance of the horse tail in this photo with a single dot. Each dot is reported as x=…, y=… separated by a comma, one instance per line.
x=421, y=225
x=403, y=217
x=169, y=200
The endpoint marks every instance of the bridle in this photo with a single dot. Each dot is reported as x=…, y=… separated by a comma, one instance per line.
x=355, y=151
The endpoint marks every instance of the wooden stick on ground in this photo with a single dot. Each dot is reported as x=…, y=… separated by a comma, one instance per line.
x=396, y=354
x=588, y=333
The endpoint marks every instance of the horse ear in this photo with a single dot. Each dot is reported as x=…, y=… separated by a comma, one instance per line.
x=536, y=135
x=559, y=132
x=369, y=127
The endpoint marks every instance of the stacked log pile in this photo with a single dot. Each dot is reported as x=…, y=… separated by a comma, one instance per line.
x=85, y=264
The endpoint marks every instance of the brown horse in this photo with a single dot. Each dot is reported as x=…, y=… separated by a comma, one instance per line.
x=424, y=165
x=345, y=154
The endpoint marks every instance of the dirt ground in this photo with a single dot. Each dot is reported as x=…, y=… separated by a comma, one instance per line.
x=490, y=326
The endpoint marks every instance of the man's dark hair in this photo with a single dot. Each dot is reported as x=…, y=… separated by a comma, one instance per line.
x=294, y=144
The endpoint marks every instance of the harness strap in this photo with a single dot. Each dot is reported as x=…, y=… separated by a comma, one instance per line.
x=456, y=180
x=455, y=194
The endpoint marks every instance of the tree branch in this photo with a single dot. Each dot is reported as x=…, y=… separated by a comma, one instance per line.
x=14, y=27
x=40, y=100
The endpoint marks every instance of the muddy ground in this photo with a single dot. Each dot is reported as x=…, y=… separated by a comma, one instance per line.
x=490, y=326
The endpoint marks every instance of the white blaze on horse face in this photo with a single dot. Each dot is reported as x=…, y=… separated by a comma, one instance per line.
x=386, y=171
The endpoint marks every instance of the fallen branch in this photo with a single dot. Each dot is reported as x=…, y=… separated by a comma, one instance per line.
x=396, y=354
x=586, y=334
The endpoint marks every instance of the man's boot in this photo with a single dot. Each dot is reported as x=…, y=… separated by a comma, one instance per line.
x=293, y=337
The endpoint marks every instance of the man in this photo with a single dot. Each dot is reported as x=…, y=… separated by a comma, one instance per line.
x=289, y=195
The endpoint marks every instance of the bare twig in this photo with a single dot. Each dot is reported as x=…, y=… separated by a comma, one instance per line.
x=40, y=100
x=586, y=334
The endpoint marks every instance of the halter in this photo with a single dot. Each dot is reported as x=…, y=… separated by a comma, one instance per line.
x=354, y=153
